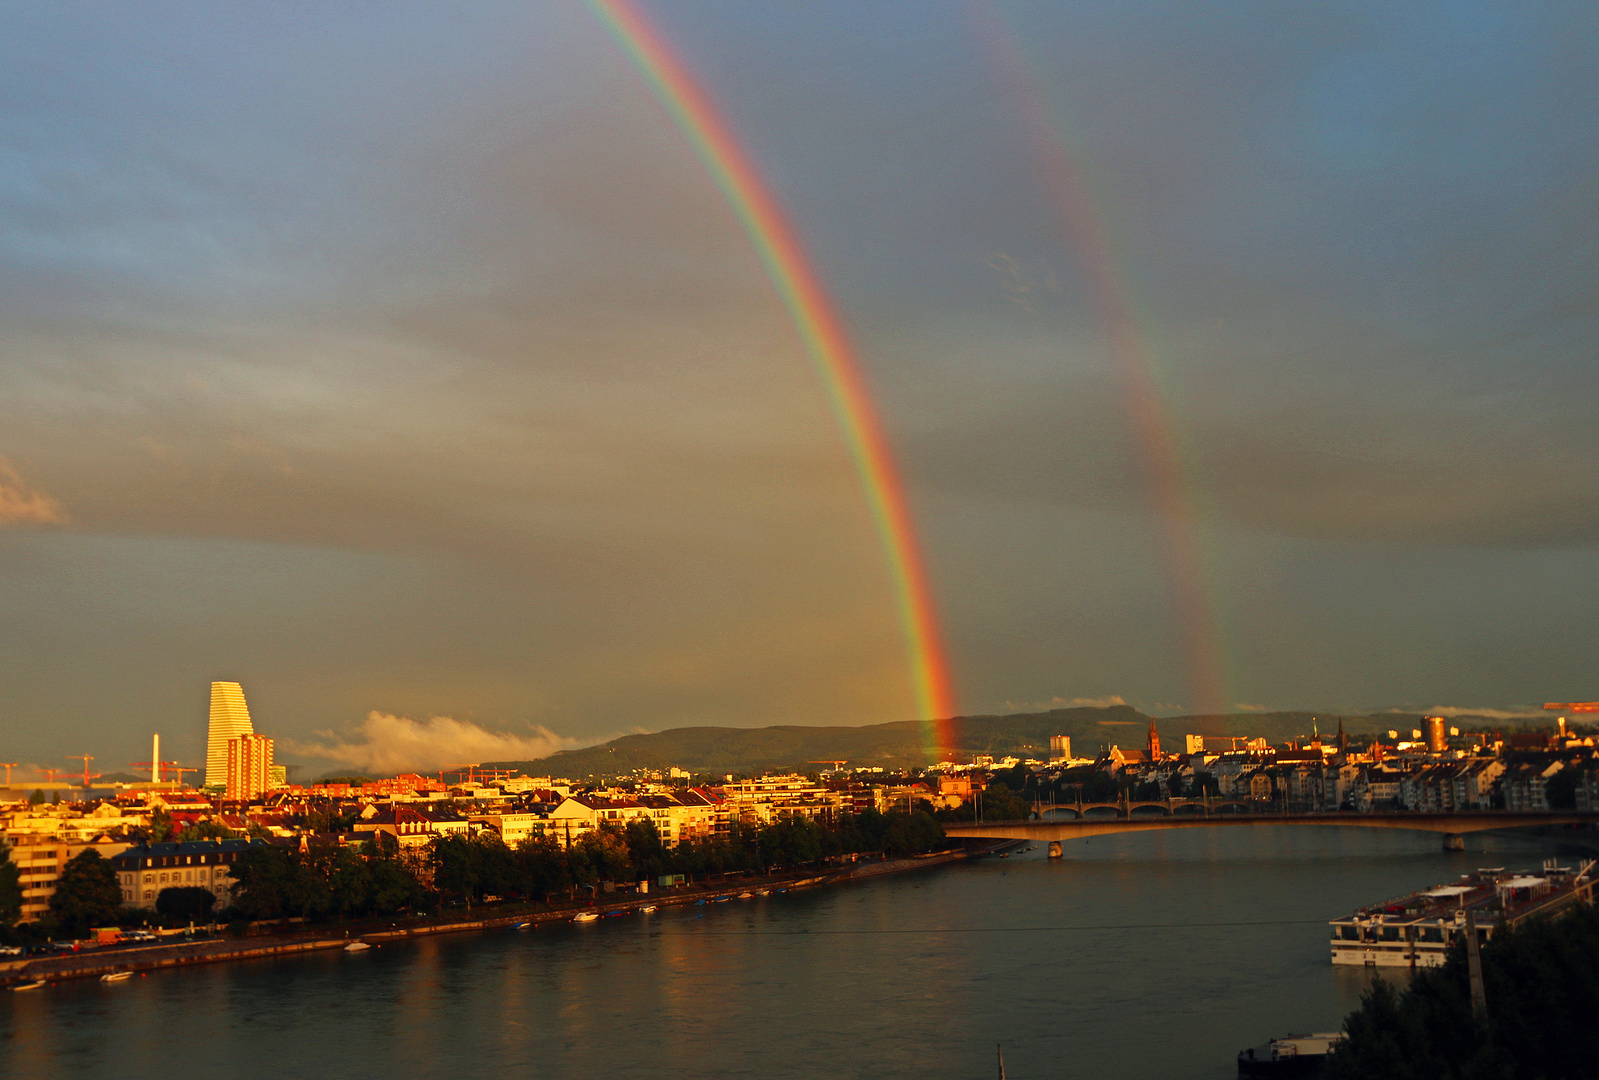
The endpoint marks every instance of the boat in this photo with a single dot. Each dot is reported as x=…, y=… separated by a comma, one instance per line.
x=700, y=901
x=745, y=895
x=1289, y=1056
x=763, y=892
x=724, y=899
x=116, y=976
x=357, y=946
x=31, y=984
x=647, y=908
x=522, y=926
x=586, y=916
x=1416, y=930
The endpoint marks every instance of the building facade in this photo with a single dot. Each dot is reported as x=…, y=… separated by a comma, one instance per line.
x=249, y=774
x=230, y=718
x=144, y=870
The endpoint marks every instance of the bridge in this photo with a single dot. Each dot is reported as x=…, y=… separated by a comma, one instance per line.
x=1194, y=814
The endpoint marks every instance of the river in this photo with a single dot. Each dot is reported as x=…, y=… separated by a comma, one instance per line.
x=1153, y=956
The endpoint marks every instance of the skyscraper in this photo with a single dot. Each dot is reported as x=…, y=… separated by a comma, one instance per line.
x=230, y=718
x=249, y=766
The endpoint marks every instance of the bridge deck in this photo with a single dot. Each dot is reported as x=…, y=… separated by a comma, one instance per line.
x=1451, y=824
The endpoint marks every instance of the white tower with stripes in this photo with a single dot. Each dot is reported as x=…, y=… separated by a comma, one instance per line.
x=230, y=718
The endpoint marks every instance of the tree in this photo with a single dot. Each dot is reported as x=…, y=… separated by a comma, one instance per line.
x=87, y=892
x=36, y=798
x=645, y=850
x=539, y=866
x=206, y=830
x=1542, y=991
x=162, y=827
x=185, y=902
x=10, y=888
x=264, y=882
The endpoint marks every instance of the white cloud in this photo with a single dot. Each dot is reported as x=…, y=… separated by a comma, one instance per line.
x=1486, y=714
x=21, y=503
x=386, y=744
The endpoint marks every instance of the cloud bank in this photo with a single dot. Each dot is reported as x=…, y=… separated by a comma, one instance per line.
x=21, y=504
x=384, y=743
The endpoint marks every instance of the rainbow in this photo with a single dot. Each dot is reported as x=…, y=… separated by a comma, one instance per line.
x=1154, y=430
x=823, y=334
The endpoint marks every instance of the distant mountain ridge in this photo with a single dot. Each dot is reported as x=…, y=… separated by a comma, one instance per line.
x=899, y=745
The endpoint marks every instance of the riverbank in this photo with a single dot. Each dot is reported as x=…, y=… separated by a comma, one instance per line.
x=269, y=940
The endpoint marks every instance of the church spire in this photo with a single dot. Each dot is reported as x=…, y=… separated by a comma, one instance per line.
x=1154, y=741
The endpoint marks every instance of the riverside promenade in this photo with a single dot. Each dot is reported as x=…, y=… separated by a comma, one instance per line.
x=275, y=939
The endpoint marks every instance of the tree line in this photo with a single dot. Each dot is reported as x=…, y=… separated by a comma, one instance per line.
x=1541, y=979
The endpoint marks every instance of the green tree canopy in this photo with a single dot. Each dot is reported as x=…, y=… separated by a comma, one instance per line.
x=87, y=893
x=185, y=902
x=10, y=888
x=1542, y=984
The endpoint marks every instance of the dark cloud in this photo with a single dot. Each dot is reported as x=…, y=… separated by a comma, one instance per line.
x=411, y=363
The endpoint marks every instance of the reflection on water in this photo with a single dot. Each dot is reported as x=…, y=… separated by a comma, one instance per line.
x=1154, y=955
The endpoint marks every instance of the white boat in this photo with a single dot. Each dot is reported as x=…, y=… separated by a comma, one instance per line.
x=1417, y=929
x=31, y=984
x=647, y=908
x=116, y=976
x=357, y=946
x=585, y=916
x=745, y=895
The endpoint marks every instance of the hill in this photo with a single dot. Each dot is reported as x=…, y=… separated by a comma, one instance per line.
x=720, y=750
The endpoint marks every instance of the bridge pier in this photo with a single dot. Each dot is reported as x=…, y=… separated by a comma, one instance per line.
x=1454, y=842
x=1054, y=849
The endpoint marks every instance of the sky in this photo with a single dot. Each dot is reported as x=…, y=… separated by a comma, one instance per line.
x=407, y=365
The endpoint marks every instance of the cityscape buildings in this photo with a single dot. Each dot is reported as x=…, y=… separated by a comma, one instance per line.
x=230, y=718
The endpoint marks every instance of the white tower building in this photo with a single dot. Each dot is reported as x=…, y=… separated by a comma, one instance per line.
x=230, y=718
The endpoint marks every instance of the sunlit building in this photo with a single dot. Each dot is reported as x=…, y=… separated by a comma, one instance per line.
x=249, y=767
x=230, y=718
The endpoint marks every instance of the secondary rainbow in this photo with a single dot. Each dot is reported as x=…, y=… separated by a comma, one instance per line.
x=1069, y=192
x=823, y=333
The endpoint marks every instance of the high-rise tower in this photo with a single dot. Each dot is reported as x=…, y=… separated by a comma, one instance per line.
x=230, y=718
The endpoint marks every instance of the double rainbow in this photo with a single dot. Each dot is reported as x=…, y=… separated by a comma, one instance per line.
x=1066, y=185
x=822, y=331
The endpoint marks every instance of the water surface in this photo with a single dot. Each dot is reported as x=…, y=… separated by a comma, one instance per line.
x=1153, y=955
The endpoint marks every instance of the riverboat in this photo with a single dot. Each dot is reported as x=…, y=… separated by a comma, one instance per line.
x=586, y=916
x=1289, y=1056
x=31, y=984
x=116, y=976
x=357, y=946
x=1416, y=930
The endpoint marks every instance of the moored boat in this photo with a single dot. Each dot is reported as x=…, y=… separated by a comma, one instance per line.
x=647, y=908
x=116, y=976
x=357, y=946
x=31, y=984
x=586, y=916
x=1417, y=929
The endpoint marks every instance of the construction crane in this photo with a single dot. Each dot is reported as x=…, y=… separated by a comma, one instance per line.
x=50, y=774
x=167, y=769
x=9, y=765
x=837, y=765
x=1572, y=706
x=87, y=775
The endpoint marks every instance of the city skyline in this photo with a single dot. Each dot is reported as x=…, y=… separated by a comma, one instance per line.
x=435, y=391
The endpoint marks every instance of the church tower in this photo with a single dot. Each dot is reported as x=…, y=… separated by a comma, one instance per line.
x=1154, y=741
